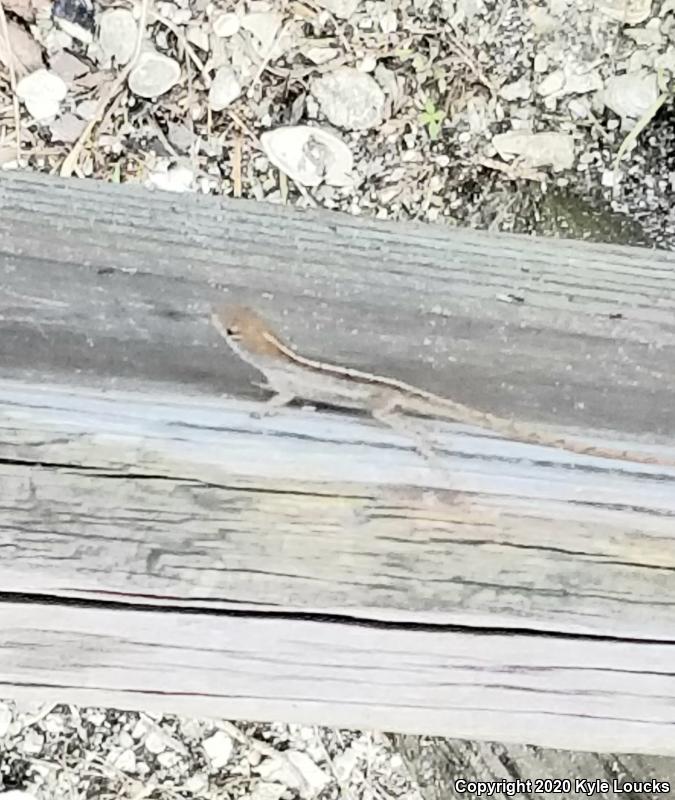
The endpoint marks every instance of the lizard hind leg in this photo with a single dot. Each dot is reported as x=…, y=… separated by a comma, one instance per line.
x=384, y=411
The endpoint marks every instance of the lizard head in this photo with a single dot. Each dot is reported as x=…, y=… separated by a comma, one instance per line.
x=244, y=330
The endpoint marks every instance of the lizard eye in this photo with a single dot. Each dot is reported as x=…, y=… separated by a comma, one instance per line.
x=233, y=331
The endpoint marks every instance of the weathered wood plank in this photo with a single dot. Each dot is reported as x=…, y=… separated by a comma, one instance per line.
x=583, y=695
x=318, y=512
x=116, y=284
x=121, y=476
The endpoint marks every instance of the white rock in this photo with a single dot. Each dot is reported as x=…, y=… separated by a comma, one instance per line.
x=5, y=718
x=537, y=149
x=308, y=155
x=168, y=759
x=124, y=760
x=17, y=794
x=628, y=12
x=154, y=741
x=644, y=37
x=154, y=74
x=117, y=35
x=267, y=791
x=33, y=742
x=87, y=109
x=218, y=749
x=265, y=26
x=388, y=22
x=540, y=62
x=197, y=784
x=320, y=55
x=666, y=60
x=73, y=29
x=552, y=83
x=367, y=64
x=67, y=66
x=630, y=95
x=583, y=81
x=224, y=90
x=197, y=36
x=579, y=107
x=180, y=136
x=225, y=24
x=345, y=764
x=67, y=128
x=350, y=99
x=340, y=8
x=542, y=21
x=42, y=93
x=296, y=770
x=176, y=178
x=518, y=90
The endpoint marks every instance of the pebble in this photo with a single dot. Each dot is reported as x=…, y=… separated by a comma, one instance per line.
x=295, y=770
x=33, y=742
x=264, y=26
x=117, y=35
x=349, y=98
x=87, y=109
x=42, y=93
x=177, y=178
x=124, y=760
x=583, y=81
x=546, y=149
x=267, y=791
x=343, y=9
x=154, y=74
x=628, y=12
x=630, y=95
x=154, y=742
x=320, y=55
x=218, y=749
x=197, y=36
x=552, y=83
x=5, y=718
x=540, y=62
x=518, y=90
x=67, y=128
x=224, y=90
x=309, y=155
x=388, y=22
x=579, y=108
x=67, y=66
x=225, y=24
x=367, y=64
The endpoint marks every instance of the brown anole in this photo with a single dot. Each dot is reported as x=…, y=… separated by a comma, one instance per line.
x=293, y=376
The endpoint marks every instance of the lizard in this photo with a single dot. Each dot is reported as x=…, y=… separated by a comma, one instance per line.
x=290, y=376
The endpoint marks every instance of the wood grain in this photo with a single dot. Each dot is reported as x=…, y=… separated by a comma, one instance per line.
x=315, y=511
x=115, y=284
x=510, y=687
x=130, y=487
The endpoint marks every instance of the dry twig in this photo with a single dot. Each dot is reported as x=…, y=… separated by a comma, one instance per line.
x=12, y=79
x=109, y=94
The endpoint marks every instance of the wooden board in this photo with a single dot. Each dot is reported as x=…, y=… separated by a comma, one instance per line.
x=128, y=481
x=594, y=697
